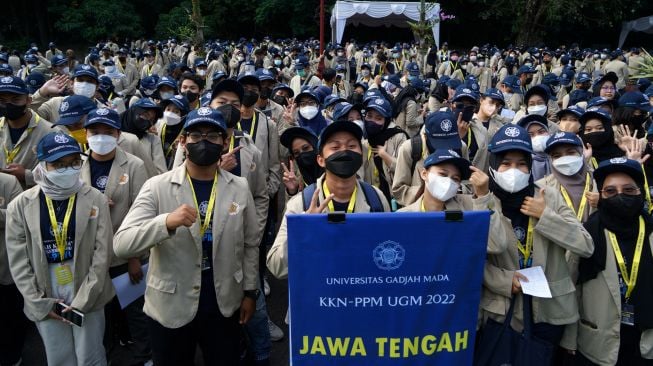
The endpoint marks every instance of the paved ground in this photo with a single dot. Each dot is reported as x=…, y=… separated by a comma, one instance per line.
x=34, y=353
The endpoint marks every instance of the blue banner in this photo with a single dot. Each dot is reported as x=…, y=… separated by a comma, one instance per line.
x=385, y=288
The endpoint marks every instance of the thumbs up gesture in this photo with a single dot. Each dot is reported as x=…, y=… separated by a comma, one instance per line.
x=534, y=207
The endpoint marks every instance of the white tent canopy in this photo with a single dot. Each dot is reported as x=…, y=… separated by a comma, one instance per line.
x=644, y=24
x=379, y=13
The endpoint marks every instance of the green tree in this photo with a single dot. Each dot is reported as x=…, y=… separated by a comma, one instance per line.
x=176, y=23
x=91, y=20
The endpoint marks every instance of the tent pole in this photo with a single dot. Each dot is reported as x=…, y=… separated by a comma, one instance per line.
x=321, y=25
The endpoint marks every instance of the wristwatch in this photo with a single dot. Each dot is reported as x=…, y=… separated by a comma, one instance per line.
x=252, y=294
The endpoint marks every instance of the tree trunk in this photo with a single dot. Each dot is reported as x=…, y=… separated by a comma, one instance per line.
x=198, y=22
x=41, y=12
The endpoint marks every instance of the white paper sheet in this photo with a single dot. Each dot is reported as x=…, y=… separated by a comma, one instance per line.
x=537, y=284
x=128, y=292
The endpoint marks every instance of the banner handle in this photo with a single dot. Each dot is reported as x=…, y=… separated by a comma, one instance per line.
x=453, y=215
x=336, y=217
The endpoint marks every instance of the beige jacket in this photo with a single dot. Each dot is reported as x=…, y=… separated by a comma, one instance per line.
x=125, y=180
x=174, y=277
x=370, y=172
x=27, y=143
x=132, y=77
x=277, y=260
x=599, y=327
x=483, y=136
x=409, y=119
x=267, y=141
x=152, y=147
x=92, y=255
x=556, y=232
x=9, y=189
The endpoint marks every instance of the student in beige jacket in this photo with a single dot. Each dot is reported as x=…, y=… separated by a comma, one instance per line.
x=59, y=245
x=199, y=224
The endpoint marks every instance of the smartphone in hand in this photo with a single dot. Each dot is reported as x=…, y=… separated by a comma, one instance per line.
x=76, y=317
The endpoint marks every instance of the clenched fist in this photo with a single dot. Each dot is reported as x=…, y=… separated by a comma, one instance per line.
x=184, y=215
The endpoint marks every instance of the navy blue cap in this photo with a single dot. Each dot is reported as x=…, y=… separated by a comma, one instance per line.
x=13, y=85
x=167, y=81
x=340, y=67
x=563, y=138
x=440, y=156
x=341, y=109
x=551, y=79
x=34, y=81
x=200, y=62
x=380, y=105
x=597, y=102
x=73, y=108
x=339, y=126
x=264, y=74
x=579, y=95
x=464, y=92
x=635, y=99
x=108, y=63
x=288, y=136
x=525, y=69
x=513, y=82
x=529, y=119
x=307, y=93
x=285, y=87
x=541, y=90
x=566, y=76
x=147, y=103
x=619, y=165
x=441, y=130
x=609, y=76
x=58, y=60
x=229, y=85
x=371, y=94
x=600, y=114
x=206, y=115
x=30, y=58
x=179, y=101
x=149, y=82
x=333, y=99
x=56, y=145
x=218, y=75
x=454, y=83
x=362, y=84
x=643, y=84
x=85, y=70
x=510, y=137
x=413, y=69
x=366, y=65
x=573, y=109
x=495, y=94
x=394, y=79
x=7, y=69
x=649, y=91
x=104, y=116
x=582, y=77
x=301, y=62
x=248, y=78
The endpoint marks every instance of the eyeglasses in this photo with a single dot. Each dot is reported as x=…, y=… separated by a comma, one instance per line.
x=307, y=103
x=608, y=88
x=61, y=167
x=213, y=137
x=628, y=190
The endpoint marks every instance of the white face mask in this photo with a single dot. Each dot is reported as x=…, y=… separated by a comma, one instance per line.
x=512, y=180
x=171, y=118
x=65, y=179
x=148, y=92
x=442, y=188
x=166, y=95
x=539, y=110
x=240, y=58
x=201, y=72
x=568, y=165
x=489, y=109
x=66, y=70
x=507, y=96
x=472, y=58
x=481, y=63
x=84, y=88
x=365, y=73
x=308, y=112
x=556, y=89
x=109, y=69
x=539, y=142
x=277, y=62
x=102, y=144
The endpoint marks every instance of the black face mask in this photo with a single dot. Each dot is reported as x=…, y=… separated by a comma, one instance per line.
x=142, y=124
x=13, y=111
x=281, y=100
x=190, y=96
x=356, y=98
x=266, y=93
x=344, y=163
x=308, y=166
x=250, y=98
x=596, y=139
x=204, y=153
x=622, y=206
x=529, y=80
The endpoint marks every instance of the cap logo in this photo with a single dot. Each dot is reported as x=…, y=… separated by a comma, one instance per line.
x=378, y=102
x=558, y=135
x=204, y=111
x=7, y=80
x=32, y=82
x=61, y=139
x=446, y=125
x=466, y=91
x=178, y=97
x=86, y=67
x=618, y=160
x=512, y=131
x=454, y=154
x=102, y=112
x=64, y=106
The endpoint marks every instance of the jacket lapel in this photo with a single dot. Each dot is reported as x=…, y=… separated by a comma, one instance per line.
x=224, y=206
x=116, y=172
x=183, y=195
x=83, y=211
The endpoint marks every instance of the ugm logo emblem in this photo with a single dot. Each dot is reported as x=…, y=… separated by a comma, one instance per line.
x=389, y=255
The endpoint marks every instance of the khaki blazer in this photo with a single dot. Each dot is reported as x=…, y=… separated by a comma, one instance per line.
x=174, y=277
x=267, y=141
x=554, y=233
x=92, y=254
x=483, y=136
x=277, y=260
x=9, y=189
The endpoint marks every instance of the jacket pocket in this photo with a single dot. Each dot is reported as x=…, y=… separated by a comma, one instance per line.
x=562, y=287
x=646, y=344
x=238, y=276
x=161, y=284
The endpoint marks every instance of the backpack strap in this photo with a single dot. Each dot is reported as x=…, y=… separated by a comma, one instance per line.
x=415, y=150
x=307, y=195
x=372, y=197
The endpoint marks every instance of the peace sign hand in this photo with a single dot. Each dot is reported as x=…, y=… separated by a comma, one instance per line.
x=289, y=178
x=314, y=207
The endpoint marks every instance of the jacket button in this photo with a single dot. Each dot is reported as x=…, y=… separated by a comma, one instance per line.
x=196, y=288
x=199, y=265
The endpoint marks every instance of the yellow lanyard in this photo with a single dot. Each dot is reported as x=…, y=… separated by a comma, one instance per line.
x=60, y=237
x=11, y=155
x=398, y=63
x=352, y=199
x=422, y=208
x=647, y=190
x=527, y=250
x=595, y=163
x=231, y=143
x=163, y=139
x=251, y=129
x=149, y=69
x=583, y=200
x=469, y=138
x=370, y=161
x=204, y=224
x=631, y=278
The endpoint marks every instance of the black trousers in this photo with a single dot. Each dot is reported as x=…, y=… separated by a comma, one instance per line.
x=218, y=338
x=14, y=325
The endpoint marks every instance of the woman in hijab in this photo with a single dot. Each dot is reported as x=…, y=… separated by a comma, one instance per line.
x=598, y=137
x=406, y=110
x=538, y=130
x=170, y=127
x=543, y=230
x=139, y=120
x=606, y=86
x=309, y=116
x=616, y=283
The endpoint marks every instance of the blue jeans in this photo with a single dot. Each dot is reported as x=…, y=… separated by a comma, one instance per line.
x=258, y=330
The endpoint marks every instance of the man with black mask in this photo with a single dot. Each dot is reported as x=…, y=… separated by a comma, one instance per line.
x=191, y=86
x=265, y=101
x=340, y=152
x=198, y=222
x=20, y=130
